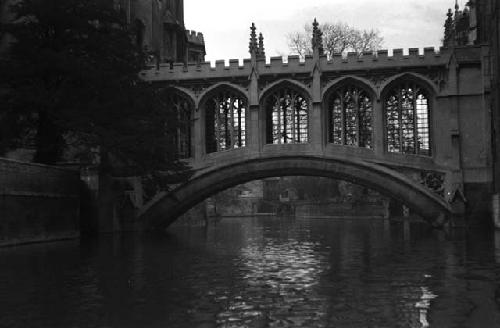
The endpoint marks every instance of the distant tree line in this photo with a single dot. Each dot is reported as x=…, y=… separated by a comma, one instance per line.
x=338, y=38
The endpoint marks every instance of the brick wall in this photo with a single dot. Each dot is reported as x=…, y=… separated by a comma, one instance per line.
x=37, y=203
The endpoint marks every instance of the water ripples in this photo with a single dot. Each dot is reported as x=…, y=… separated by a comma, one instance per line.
x=260, y=272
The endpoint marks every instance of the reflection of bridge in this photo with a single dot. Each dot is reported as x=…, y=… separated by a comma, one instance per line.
x=412, y=126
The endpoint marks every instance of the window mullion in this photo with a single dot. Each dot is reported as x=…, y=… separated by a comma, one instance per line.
x=358, y=113
x=342, y=119
x=279, y=119
x=217, y=124
x=178, y=130
x=240, y=142
x=293, y=118
x=400, y=121
x=415, y=123
x=231, y=121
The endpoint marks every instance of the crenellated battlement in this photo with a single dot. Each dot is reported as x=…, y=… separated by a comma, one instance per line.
x=195, y=37
x=293, y=65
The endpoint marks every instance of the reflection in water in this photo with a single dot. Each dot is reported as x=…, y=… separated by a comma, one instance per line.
x=424, y=304
x=497, y=246
x=287, y=272
x=258, y=272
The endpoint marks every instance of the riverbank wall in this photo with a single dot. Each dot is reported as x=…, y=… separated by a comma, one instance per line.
x=38, y=203
x=340, y=210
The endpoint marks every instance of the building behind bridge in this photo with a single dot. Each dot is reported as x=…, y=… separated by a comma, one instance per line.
x=159, y=28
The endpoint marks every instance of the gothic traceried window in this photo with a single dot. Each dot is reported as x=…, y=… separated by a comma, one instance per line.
x=407, y=119
x=225, y=122
x=287, y=117
x=350, y=117
x=183, y=109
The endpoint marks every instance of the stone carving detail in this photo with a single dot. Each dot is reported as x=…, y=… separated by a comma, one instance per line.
x=198, y=89
x=437, y=76
x=377, y=79
x=242, y=83
x=433, y=181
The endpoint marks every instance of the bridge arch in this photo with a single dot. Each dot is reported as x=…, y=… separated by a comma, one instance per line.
x=165, y=209
x=220, y=86
x=186, y=93
x=349, y=79
x=430, y=86
x=283, y=83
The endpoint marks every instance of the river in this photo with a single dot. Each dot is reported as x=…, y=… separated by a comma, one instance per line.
x=258, y=272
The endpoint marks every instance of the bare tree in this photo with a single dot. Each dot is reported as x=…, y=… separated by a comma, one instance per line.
x=337, y=38
x=299, y=43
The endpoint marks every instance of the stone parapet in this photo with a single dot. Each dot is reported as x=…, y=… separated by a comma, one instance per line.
x=195, y=37
x=293, y=64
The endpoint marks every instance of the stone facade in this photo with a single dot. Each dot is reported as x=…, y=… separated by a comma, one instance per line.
x=159, y=28
x=493, y=38
x=481, y=26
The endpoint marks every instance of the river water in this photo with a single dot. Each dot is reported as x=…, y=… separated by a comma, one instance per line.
x=258, y=272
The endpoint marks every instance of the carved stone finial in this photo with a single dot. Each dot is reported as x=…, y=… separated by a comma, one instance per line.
x=253, y=40
x=317, y=39
x=261, y=52
x=449, y=14
x=448, y=29
x=315, y=24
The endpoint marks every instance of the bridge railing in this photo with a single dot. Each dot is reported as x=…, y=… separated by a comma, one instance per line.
x=372, y=60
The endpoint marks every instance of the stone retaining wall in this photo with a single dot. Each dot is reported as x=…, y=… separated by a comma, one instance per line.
x=37, y=203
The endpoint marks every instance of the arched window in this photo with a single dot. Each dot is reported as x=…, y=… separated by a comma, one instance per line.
x=407, y=119
x=287, y=117
x=225, y=121
x=182, y=108
x=350, y=117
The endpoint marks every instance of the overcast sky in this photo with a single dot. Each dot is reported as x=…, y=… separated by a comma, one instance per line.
x=225, y=23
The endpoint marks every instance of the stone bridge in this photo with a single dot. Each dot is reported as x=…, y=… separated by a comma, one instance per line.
x=412, y=125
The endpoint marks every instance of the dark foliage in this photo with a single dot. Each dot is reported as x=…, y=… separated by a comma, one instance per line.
x=73, y=72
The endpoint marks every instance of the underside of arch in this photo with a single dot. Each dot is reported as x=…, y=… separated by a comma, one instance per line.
x=167, y=208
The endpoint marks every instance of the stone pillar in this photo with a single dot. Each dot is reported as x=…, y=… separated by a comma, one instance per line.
x=198, y=135
x=253, y=129
x=89, y=209
x=253, y=126
x=406, y=230
x=106, y=201
x=378, y=128
x=316, y=127
x=386, y=203
x=496, y=210
x=253, y=134
x=315, y=121
x=497, y=246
